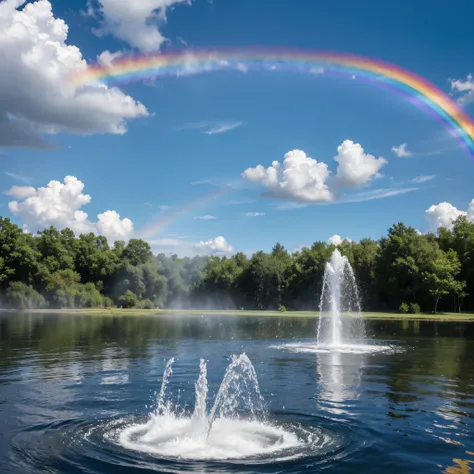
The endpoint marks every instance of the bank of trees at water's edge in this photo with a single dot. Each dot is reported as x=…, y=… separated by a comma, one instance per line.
x=404, y=271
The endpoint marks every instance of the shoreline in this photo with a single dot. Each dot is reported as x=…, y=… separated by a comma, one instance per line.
x=370, y=315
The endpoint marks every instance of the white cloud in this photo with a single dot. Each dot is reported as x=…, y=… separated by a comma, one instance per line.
x=19, y=177
x=222, y=128
x=254, y=214
x=136, y=22
x=443, y=215
x=113, y=227
x=21, y=192
x=207, y=217
x=214, y=246
x=164, y=207
x=299, y=177
x=337, y=240
x=304, y=179
x=149, y=204
x=185, y=247
x=59, y=205
x=356, y=168
x=463, y=89
x=401, y=151
x=211, y=127
x=376, y=194
x=423, y=179
x=470, y=211
x=36, y=95
x=173, y=244
x=106, y=58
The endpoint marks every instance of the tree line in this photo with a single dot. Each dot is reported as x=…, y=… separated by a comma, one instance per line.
x=403, y=271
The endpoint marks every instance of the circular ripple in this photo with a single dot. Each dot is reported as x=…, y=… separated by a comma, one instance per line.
x=134, y=443
x=171, y=438
x=313, y=348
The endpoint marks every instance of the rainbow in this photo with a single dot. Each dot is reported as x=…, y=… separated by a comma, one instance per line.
x=417, y=89
x=157, y=225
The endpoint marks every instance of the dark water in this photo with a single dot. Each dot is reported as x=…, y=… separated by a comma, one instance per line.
x=65, y=379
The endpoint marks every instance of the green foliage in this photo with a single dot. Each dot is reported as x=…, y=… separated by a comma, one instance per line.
x=403, y=270
x=282, y=309
x=146, y=304
x=440, y=275
x=128, y=299
x=23, y=296
x=404, y=308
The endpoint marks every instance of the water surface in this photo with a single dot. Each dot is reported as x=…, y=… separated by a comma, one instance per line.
x=68, y=381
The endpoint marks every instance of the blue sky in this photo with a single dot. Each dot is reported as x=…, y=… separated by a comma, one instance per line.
x=166, y=160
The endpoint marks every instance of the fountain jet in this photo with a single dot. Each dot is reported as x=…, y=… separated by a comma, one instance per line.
x=340, y=319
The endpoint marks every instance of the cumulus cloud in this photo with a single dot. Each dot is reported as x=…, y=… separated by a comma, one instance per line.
x=444, y=214
x=470, y=211
x=59, y=205
x=254, y=214
x=136, y=22
x=217, y=246
x=36, y=95
x=21, y=192
x=299, y=177
x=337, y=240
x=304, y=179
x=113, y=227
x=463, y=89
x=356, y=168
x=401, y=151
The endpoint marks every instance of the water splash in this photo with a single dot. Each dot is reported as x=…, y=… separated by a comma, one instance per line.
x=162, y=406
x=340, y=319
x=235, y=427
x=199, y=420
x=239, y=390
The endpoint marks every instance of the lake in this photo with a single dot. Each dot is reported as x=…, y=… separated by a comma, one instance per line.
x=71, y=384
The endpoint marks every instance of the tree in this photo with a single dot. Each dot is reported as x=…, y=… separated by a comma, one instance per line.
x=62, y=288
x=404, y=256
x=128, y=299
x=18, y=254
x=137, y=252
x=440, y=276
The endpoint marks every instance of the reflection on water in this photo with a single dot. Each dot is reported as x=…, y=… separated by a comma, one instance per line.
x=461, y=466
x=339, y=376
x=65, y=380
x=114, y=367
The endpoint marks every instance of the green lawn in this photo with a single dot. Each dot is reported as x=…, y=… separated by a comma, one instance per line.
x=287, y=314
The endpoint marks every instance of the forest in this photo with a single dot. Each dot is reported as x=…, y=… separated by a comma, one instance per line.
x=405, y=271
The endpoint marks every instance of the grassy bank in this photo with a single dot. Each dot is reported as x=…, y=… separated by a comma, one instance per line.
x=464, y=317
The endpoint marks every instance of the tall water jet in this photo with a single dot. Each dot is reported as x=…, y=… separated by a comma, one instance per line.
x=340, y=319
